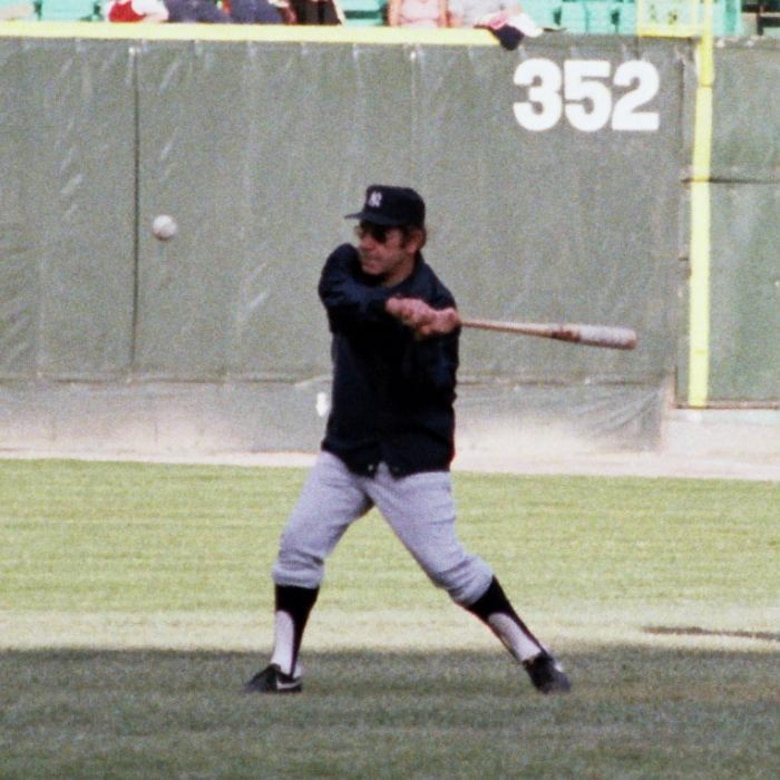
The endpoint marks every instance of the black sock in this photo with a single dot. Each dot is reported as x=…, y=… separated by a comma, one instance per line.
x=297, y=603
x=494, y=602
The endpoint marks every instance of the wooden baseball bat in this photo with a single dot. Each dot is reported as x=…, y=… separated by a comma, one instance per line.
x=605, y=336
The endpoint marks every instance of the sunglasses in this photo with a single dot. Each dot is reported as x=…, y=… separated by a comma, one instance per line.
x=377, y=232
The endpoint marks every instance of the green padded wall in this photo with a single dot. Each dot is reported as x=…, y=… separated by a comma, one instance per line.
x=746, y=225
x=67, y=151
x=258, y=146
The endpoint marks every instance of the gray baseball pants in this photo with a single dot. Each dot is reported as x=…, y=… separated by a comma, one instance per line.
x=419, y=508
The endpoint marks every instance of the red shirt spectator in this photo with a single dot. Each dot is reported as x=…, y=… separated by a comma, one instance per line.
x=137, y=11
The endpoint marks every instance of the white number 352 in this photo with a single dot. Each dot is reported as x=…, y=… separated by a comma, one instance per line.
x=582, y=92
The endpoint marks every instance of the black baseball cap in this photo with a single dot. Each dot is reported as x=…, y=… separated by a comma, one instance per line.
x=392, y=207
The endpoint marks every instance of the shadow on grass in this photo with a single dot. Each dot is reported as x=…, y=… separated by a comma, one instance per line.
x=643, y=712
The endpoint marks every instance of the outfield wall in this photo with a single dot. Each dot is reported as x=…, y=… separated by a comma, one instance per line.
x=745, y=238
x=556, y=181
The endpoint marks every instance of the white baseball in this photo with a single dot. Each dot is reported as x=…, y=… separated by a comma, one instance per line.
x=164, y=227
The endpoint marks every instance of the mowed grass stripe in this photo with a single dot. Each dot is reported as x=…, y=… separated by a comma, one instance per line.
x=140, y=537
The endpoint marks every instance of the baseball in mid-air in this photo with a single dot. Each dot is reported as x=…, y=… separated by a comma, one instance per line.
x=164, y=227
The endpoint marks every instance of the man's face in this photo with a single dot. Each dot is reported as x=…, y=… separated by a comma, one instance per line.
x=386, y=252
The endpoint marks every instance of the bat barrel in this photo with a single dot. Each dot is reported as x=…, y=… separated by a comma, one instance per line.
x=605, y=336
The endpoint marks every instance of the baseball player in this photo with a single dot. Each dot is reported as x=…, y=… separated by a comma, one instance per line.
x=389, y=439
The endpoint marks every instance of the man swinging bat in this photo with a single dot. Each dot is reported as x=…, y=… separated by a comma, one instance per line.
x=389, y=439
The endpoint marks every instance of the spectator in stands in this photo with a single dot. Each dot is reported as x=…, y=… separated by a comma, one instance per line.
x=11, y=9
x=468, y=13
x=316, y=12
x=137, y=11
x=195, y=11
x=238, y=11
x=417, y=13
x=254, y=12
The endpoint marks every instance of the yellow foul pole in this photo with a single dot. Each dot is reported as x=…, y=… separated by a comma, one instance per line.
x=699, y=301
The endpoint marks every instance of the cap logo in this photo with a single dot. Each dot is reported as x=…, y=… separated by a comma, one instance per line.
x=391, y=206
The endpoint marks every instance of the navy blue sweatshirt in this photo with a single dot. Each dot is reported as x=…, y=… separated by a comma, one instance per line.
x=393, y=394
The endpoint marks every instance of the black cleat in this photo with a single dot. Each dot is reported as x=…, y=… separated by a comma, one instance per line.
x=547, y=674
x=273, y=680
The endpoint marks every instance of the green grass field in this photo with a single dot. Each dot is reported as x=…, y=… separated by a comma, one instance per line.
x=136, y=599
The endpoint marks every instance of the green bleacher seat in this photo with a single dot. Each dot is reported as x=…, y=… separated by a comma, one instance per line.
x=732, y=17
x=69, y=10
x=601, y=17
x=726, y=14
x=626, y=17
x=572, y=16
x=767, y=16
x=363, y=13
x=543, y=12
x=605, y=17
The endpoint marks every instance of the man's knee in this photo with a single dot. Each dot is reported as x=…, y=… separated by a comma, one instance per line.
x=298, y=569
x=466, y=581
